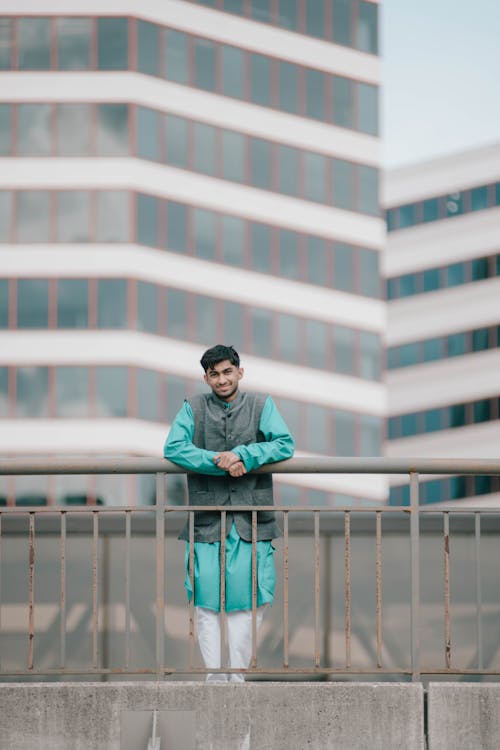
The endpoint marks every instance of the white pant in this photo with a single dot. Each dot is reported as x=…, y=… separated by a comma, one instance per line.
x=239, y=640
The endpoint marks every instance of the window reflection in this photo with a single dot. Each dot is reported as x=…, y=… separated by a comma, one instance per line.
x=176, y=393
x=111, y=303
x=73, y=129
x=369, y=273
x=344, y=433
x=288, y=338
x=233, y=240
x=317, y=343
x=148, y=134
x=204, y=233
x=147, y=47
x=148, y=386
x=176, y=227
x=72, y=303
x=371, y=435
x=317, y=429
x=343, y=184
x=261, y=10
x=233, y=324
x=5, y=215
x=147, y=307
x=341, y=88
x=343, y=345
x=260, y=76
x=368, y=190
x=147, y=220
x=288, y=169
x=315, y=17
x=289, y=254
x=288, y=87
x=73, y=43
x=232, y=71
x=315, y=177
x=204, y=64
x=177, y=137
x=367, y=40
x=367, y=108
x=205, y=318
x=112, y=43
x=287, y=14
x=72, y=392
x=315, y=94
x=112, y=130
x=370, y=355
x=4, y=303
x=34, y=43
x=5, y=130
x=261, y=332
x=6, y=25
x=113, y=216
x=176, y=313
x=32, y=399
x=73, y=216
x=4, y=392
x=343, y=271
x=260, y=160
x=204, y=148
x=233, y=156
x=234, y=6
x=32, y=303
x=176, y=56
x=342, y=22
x=261, y=247
x=316, y=260
x=34, y=131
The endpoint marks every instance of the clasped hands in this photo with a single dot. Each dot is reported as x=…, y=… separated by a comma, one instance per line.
x=231, y=463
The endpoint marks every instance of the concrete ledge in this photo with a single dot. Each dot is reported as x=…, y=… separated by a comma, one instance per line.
x=260, y=716
x=464, y=716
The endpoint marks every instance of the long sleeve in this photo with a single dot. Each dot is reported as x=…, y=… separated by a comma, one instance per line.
x=180, y=449
x=279, y=443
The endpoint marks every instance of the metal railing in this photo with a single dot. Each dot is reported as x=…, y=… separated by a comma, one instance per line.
x=335, y=520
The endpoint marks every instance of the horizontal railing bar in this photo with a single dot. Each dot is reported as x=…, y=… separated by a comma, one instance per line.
x=114, y=509
x=296, y=465
x=250, y=672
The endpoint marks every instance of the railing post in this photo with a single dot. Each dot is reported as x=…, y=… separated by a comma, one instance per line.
x=415, y=576
x=160, y=574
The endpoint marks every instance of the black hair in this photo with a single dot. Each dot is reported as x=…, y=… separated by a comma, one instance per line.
x=217, y=354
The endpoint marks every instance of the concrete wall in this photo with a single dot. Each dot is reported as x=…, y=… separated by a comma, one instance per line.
x=464, y=716
x=256, y=716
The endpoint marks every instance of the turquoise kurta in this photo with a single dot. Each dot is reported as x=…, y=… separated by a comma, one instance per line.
x=180, y=449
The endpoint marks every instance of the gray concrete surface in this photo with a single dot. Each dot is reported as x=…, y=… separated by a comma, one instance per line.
x=463, y=716
x=260, y=716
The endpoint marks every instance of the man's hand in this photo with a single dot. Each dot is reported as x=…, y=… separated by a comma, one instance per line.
x=225, y=459
x=238, y=469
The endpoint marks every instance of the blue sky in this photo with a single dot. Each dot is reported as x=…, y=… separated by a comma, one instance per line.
x=441, y=74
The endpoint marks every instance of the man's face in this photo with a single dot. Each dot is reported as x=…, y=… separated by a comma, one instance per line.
x=223, y=378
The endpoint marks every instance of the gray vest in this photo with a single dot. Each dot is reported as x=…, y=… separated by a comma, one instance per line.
x=219, y=428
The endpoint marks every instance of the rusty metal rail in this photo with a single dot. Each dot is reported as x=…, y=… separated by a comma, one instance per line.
x=322, y=661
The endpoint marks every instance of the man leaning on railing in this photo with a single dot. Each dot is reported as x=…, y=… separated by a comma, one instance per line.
x=220, y=437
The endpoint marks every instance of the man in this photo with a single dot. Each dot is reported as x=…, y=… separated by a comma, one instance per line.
x=220, y=437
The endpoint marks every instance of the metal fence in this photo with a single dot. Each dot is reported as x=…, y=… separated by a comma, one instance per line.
x=323, y=523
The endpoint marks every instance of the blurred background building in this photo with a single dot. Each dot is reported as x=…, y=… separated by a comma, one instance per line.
x=443, y=284
x=177, y=174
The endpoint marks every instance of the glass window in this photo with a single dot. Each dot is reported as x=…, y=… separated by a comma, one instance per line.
x=111, y=303
x=232, y=71
x=367, y=108
x=5, y=215
x=430, y=210
x=315, y=18
x=262, y=325
x=288, y=170
x=408, y=425
x=457, y=487
x=433, y=349
x=113, y=216
x=344, y=433
x=432, y=420
x=393, y=358
x=287, y=14
x=433, y=491
x=34, y=131
x=368, y=190
x=342, y=22
x=111, y=392
x=288, y=338
x=177, y=137
x=176, y=313
x=176, y=227
x=261, y=10
x=112, y=43
x=176, y=393
x=371, y=435
x=261, y=247
x=408, y=285
x=148, y=134
x=317, y=344
x=260, y=74
x=72, y=391
x=233, y=240
x=497, y=194
x=315, y=94
x=406, y=215
x=148, y=392
x=342, y=109
x=316, y=260
x=233, y=323
x=408, y=355
x=457, y=344
x=6, y=25
x=370, y=355
x=367, y=31
x=260, y=161
x=455, y=274
x=176, y=56
x=4, y=392
x=204, y=148
x=147, y=48
x=5, y=130
x=33, y=218
x=34, y=43
x=431, y=279
x=391, y=217
x=393, y=288
x=481, y=410
x=343, y=267
x=479, y=198
x=73, y=216
x=482, y=485
x=4, y=303
x=343, y=347
x=454, y=204
x=204, y=233
x=317, y=438
x=234, y=6
x=480, y=339
x=32, y=303
x=147, y=307
x=343, y=184
x=112, y=130
x=369, y=272
x=288, y=87
x=32, y=392
x=72, y=303
x=205, y=318
x=315, y=177
x=73, y=129
x=204, y=64
x=233, y=156
x=479, y=269
x=289, y=254
x=457, y=415
x=73, y=43
x=147, y=220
